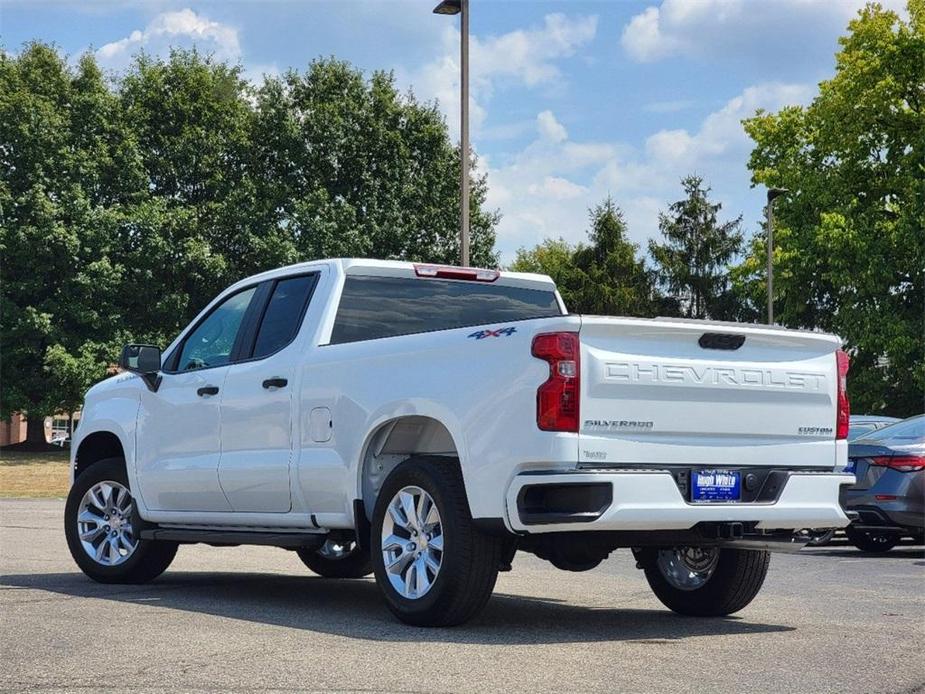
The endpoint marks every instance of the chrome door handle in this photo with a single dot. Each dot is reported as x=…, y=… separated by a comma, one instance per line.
x=207, y=390
x=275, y=383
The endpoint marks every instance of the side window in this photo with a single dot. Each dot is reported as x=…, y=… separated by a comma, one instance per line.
x=211, y=342
x=283, y=314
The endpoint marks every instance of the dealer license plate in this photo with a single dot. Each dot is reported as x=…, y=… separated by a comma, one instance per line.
x=716, y=485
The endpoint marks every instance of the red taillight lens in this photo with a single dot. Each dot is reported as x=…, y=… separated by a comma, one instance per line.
x=557, y=399
x=903, y=463
x=843, y=420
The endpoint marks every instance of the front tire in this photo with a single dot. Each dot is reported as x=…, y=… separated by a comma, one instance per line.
x=433, y=566
x=338, y=559
x=705, y=582
x=871, y=541
x=100, y=524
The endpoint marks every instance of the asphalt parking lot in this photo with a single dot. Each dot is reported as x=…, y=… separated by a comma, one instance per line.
x=242, y=619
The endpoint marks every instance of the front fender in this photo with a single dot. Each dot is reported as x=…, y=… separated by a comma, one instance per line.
x=111, y=407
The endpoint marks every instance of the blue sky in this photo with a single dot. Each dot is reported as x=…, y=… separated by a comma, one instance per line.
x=571, y=100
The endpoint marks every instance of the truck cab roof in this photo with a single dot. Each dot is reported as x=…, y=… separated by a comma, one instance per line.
x=403, y=268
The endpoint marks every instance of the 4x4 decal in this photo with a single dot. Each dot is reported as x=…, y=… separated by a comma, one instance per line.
x=482, y=334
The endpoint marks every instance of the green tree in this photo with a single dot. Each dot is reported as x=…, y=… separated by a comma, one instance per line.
x=193, y=229
x=126, y=205
x=67, y=166
x=553, y=257
x=691, y=261
x=849, y=242
x=605, y=276
x=356, y=168
x=614, y=279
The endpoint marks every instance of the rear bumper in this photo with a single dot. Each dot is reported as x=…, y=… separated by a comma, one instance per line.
x=651, y=500
x=896, y=515
x=895, y=500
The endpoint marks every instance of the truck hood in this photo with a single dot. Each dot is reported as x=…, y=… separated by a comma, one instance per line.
x=108, y=385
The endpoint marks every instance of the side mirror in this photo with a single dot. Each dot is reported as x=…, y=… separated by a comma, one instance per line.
x=144, y=360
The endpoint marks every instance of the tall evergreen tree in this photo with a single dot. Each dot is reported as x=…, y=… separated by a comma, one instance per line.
x=692, y=260
x=604, y=276
x=613, y=279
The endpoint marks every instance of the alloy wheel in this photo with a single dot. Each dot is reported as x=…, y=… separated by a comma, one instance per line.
x=688, y=568
x=412, y=542
x=104, y=523
x=332, y=549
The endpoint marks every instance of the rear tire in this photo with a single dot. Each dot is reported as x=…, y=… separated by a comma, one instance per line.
x=100, y=517
x=867, y=541
x=437, y=540
x=730, y=579
x=338, y=560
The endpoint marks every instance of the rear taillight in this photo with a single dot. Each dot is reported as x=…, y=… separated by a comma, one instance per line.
x=557, y=399
x=903, y=463
x=843, y=420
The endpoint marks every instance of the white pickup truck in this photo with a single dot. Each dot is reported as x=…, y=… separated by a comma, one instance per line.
x=424, y=422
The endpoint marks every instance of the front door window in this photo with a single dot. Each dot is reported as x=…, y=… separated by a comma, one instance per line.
x=211, y=342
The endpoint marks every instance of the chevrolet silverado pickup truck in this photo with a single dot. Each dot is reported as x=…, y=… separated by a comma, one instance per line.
x=423, y=423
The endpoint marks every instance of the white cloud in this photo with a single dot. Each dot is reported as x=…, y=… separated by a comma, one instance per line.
x=175, y=28
x=738, y=29
x=718, y=147
x=539, y=190
x=722, y=131
x=546, y=189
x=525, y=57
x=556, y=188
x=644, y=40
x=549, y=128
x=528, y=55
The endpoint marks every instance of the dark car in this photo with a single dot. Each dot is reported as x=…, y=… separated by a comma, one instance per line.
x=889, y=496
x=863, y=425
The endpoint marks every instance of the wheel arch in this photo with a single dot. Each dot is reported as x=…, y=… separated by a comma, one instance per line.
x=94, y=447
x=394, y=441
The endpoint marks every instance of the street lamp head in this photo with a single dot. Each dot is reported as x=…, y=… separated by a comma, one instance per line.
x=449, y=7
x=776, y=193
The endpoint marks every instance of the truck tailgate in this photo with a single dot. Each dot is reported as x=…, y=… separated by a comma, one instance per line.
x=675, y=392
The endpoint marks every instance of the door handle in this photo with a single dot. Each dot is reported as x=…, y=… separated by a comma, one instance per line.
x=207, y=390
x=275, y=383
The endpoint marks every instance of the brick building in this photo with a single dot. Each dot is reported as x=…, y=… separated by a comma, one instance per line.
x=12, y=430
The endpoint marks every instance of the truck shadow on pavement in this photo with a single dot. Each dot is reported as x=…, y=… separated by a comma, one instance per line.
x=354, y=609
x=851, y=553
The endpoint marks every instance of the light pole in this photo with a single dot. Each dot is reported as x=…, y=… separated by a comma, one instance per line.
x=773, y=194
x=461, y=7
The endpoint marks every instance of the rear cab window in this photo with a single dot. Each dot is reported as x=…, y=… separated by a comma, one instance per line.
x=374, y=307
